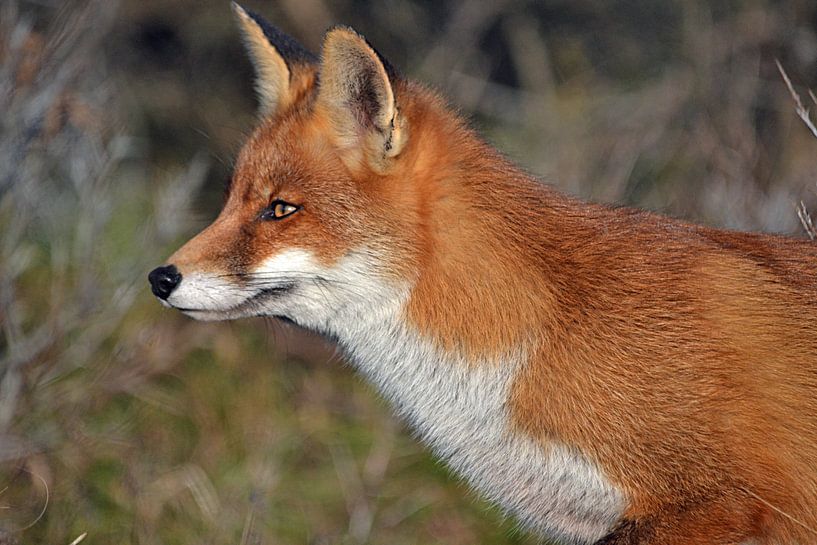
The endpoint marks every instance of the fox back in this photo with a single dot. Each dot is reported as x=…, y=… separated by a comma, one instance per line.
x=607, y=375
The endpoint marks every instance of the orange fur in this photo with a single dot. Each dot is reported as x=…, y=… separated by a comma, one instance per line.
x=681, y=359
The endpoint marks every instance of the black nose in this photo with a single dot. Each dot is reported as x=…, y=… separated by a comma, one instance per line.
x=163, y=280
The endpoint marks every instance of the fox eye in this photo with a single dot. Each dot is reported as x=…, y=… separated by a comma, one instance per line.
x=279, y=209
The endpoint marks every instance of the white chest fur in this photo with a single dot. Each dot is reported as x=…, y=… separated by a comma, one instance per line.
x=459, y=408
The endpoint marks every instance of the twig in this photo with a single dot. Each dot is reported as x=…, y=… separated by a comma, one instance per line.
x=806, y=220
x=79, y=538
x=45, y=505
x=802, y=111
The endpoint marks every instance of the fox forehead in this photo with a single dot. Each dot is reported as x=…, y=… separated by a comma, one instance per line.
x=288, y=153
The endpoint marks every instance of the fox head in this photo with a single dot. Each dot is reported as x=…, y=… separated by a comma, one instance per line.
x=359, y=191
x=318, y=207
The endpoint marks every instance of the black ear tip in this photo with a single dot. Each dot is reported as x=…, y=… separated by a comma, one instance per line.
x=237, y=8
x=250, y=14
x=287, y=46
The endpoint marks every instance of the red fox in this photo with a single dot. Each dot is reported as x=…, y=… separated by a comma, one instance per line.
x=607, y=375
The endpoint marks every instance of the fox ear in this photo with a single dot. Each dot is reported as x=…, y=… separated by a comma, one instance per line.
x=357, y=92
x=284, y=69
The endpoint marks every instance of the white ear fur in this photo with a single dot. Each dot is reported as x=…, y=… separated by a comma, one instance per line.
x=357, y=92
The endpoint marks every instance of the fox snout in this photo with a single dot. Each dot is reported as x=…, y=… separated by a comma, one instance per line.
x=163, y=280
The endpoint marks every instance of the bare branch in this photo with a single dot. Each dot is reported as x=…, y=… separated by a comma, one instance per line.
x=802, y=111
x=806, y=220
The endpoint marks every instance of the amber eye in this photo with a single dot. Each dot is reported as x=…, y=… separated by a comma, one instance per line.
x=279, y=209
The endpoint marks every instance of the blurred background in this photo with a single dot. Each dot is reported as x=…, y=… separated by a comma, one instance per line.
x=119, y=120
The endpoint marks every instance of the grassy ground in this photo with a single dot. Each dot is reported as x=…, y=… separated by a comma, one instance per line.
x=132, y=424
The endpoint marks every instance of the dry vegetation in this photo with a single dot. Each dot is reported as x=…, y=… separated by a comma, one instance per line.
x=117, y=122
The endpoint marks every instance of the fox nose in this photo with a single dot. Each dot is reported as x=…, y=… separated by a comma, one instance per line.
x=163, y=280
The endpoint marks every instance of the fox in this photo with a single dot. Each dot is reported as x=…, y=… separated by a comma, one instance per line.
x=605, y=375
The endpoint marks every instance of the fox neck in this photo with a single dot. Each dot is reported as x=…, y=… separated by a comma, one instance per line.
x=458, y=407
x=481, y=287
x=445, y=342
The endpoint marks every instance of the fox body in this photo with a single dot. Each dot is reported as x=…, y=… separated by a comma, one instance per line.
x=607, y=375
